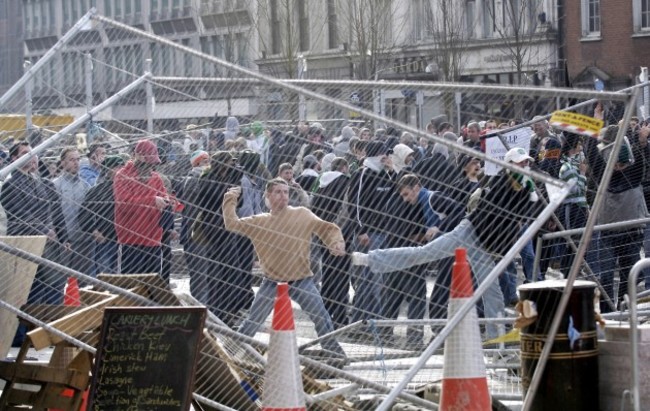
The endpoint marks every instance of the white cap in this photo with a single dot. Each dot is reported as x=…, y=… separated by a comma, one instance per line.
x=517, y=155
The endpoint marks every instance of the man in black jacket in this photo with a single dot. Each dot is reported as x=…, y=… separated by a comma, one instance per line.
x=97, y=217
x=33, y=207
x=491, y=229
x=369, y=193
x=328, y=203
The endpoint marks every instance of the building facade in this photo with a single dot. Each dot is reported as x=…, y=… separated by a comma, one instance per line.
x=11, y=43
x=607, y=42
x=218, y=28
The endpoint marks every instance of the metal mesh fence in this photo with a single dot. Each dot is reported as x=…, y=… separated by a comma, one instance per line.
x=145, y=155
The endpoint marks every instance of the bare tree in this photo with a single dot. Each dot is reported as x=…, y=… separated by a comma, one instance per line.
x=514, y=22
x=447, y=24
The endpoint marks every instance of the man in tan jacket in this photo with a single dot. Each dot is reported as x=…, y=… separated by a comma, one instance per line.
x=282, y=239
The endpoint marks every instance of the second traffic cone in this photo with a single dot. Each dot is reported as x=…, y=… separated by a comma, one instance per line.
x=283, y=389
x=464, y=383
x=72, y=297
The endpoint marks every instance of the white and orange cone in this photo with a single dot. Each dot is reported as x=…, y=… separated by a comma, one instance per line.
x=464, y=383
x=283, y=389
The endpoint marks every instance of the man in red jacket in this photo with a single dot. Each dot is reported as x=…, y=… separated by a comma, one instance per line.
x=140, y=196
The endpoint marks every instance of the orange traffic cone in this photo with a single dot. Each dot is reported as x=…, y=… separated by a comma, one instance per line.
x=71, y=296
x=464, y=384
x=283, y=381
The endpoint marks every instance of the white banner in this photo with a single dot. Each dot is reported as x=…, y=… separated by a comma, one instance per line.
x=495, y=149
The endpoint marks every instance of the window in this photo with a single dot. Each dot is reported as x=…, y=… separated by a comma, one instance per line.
x=108, y=9
x=591, y=18
x=489, y=18
x=52, y=14
x=276, y=37
x=641, y=15
x=332, y=25
x=422, y=19
x=470, y=16
x=303, y=19
x=28, y=17
x=242, y=50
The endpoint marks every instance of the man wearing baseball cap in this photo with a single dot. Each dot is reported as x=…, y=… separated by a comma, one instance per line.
x=140, y=196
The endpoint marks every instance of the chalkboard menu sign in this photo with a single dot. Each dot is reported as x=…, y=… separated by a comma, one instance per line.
x=146, y=358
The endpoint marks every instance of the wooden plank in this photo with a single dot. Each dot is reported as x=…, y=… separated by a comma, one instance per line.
x=16, y=277
x=90, y=297
x=157, y=289
x=76, y=323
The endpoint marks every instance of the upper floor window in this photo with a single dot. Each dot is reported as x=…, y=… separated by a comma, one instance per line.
x=641, y=15
x=422, y=17
x=591, y=18
x=332, y=25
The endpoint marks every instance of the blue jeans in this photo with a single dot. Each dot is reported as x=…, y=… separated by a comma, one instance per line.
x=618, y=248
x=508, y=283
x=395, y=259
x=528, y=258
x=305, y=293
x=367, y=286
x=106, y=257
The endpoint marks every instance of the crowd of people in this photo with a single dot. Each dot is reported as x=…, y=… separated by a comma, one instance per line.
x=368, y=211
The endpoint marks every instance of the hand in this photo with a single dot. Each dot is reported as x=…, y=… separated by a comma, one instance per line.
x=99, y=237
x=51, y=235
x=338, y=249
x=431, y=232
x=173, y=234
x=161, y=202
x=67, y=247
x=363, y=240
x=294, y=184
x=583, y=167
x=234, y=191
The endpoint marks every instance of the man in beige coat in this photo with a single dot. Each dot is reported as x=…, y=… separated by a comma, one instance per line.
x=282, y=238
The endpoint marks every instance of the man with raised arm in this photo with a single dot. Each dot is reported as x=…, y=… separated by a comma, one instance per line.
x=281, y=239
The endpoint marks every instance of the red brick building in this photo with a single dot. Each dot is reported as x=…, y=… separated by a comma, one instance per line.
x=605, y=41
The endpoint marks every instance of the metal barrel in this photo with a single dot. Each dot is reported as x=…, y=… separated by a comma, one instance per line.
x=570, y=379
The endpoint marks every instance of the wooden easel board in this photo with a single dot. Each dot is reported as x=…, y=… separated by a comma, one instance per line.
x=146, y=358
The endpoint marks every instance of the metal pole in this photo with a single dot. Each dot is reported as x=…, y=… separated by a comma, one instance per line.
x=88, y=73
x=634, y=338
x=47, y=327
x=71, y=127
x=600, y=227
x=150, y=97
x=47, y=56
x=580, y=253
x=89, y=81
x=471, y=303
x=69, y=272
x=302, y=107
x=538, y=257
x=29, y=86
